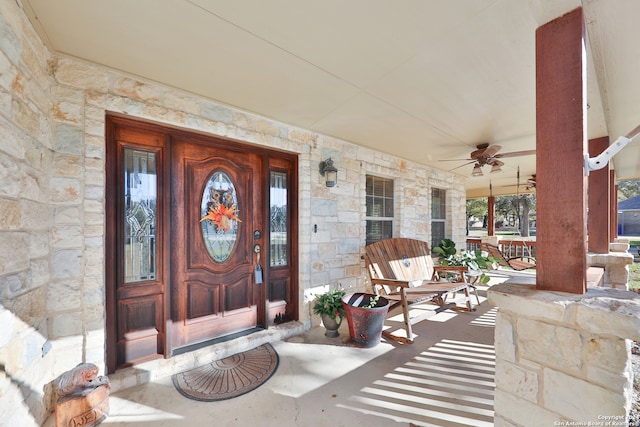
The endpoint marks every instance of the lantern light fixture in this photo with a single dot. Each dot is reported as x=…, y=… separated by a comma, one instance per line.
x=329, y=172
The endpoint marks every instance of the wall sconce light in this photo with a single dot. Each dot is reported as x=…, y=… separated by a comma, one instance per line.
x=329, y=172
x=477, y=170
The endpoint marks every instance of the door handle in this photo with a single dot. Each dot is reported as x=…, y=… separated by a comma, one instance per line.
x=257, y=272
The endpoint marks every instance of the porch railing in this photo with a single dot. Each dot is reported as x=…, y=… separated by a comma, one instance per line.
x=510, y=247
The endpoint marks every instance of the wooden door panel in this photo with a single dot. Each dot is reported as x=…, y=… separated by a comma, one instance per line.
x=202, y=300
x=213, y=297
x=139, y=334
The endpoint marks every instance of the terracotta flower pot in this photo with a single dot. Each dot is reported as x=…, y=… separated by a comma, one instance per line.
x=365, y=324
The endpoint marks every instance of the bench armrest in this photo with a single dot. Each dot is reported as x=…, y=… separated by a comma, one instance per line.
x=390, y=282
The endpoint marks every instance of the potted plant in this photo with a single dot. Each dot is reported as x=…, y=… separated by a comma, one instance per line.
x=446, y=248
x=365, y=316
x=475, y=261
x=329, y=307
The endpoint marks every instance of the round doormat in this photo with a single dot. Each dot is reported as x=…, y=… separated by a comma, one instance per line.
x=230, y=377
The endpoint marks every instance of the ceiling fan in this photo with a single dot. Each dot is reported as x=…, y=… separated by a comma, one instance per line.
x=487, y=154
x=530, y=185
x=531, y=182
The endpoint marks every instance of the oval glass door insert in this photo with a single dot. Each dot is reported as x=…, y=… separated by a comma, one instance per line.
x=219, y=211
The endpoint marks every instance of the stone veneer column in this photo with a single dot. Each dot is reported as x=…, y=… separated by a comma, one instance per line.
x=563, y=357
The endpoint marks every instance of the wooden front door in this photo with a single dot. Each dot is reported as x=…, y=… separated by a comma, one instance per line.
x=189, y=217
x=217, y=236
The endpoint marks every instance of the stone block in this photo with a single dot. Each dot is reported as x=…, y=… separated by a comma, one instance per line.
x=65, y=190
x=504, y=338
x=10, y=176
x=579, y=400
x=68, y=139
x=549, y=344
x=66, y=263
x=64, y=295
x=619, y=246
x=66, y=111
x=610, y=312
x=67, y=165
x=521, y=412
x=80, y=74
x=607, y=351
x=10, y=214
x=524, y=300
x=518, y=381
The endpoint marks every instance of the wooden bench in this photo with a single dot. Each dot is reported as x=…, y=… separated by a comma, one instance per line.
x=403, y=271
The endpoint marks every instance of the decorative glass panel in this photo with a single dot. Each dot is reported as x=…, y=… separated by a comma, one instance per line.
x=140, y=214
x=219, y=210
x=278, y=218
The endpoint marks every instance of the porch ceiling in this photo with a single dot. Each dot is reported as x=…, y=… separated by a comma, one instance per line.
x=425, y=80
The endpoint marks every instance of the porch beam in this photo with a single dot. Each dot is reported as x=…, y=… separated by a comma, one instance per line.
x=561, y=111
x=598, y=200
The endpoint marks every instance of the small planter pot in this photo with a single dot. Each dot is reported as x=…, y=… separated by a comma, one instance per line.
x=365, y=324
x=331, y=325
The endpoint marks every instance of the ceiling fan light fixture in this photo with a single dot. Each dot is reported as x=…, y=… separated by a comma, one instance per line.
x=495, y=168
x=477, y=170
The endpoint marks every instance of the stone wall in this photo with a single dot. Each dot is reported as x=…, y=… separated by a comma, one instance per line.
x=52, y=160
x=563, y=359
x=26, y=216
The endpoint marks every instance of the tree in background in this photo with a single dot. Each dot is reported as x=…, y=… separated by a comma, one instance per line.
x=628, y=189
x=515, y=210
x=477, y=208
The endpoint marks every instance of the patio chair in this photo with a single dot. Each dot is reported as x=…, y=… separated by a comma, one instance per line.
x=515, y=263
x=403, y=271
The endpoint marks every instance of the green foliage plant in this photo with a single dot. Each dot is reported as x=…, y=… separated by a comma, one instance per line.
x=474, y=260
x=446, y=248
x=329, y=303
x=373, y=301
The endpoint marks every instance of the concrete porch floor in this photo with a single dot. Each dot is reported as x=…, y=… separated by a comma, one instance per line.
x=444, y=379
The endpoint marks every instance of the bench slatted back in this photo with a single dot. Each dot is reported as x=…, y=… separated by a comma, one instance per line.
x=399, y=259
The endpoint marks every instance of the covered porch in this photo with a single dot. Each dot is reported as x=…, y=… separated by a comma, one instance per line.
x=265, y=92
x=445, y=379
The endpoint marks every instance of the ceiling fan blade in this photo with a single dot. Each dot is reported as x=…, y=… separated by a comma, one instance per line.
x=457, y=160
x=516, y=153
x=491, y=151
x=458, y=167
x=484, y=150
x=495, y=162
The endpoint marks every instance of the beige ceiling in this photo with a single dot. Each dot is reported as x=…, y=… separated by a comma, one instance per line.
x=426, y=80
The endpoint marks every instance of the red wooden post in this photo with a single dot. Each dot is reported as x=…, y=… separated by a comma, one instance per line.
x=560, y=147
x=598, y=218
x=613, y=205
x=491, y=214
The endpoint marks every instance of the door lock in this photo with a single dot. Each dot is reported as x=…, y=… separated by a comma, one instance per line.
x=258, y=269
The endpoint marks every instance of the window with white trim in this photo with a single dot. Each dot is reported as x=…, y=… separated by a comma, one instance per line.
x=438, y=216
x=380, y=201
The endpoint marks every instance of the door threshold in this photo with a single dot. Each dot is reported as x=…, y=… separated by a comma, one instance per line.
x=213, y=341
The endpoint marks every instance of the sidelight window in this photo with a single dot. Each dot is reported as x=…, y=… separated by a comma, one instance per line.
x=140, y=211
x=278, y=218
